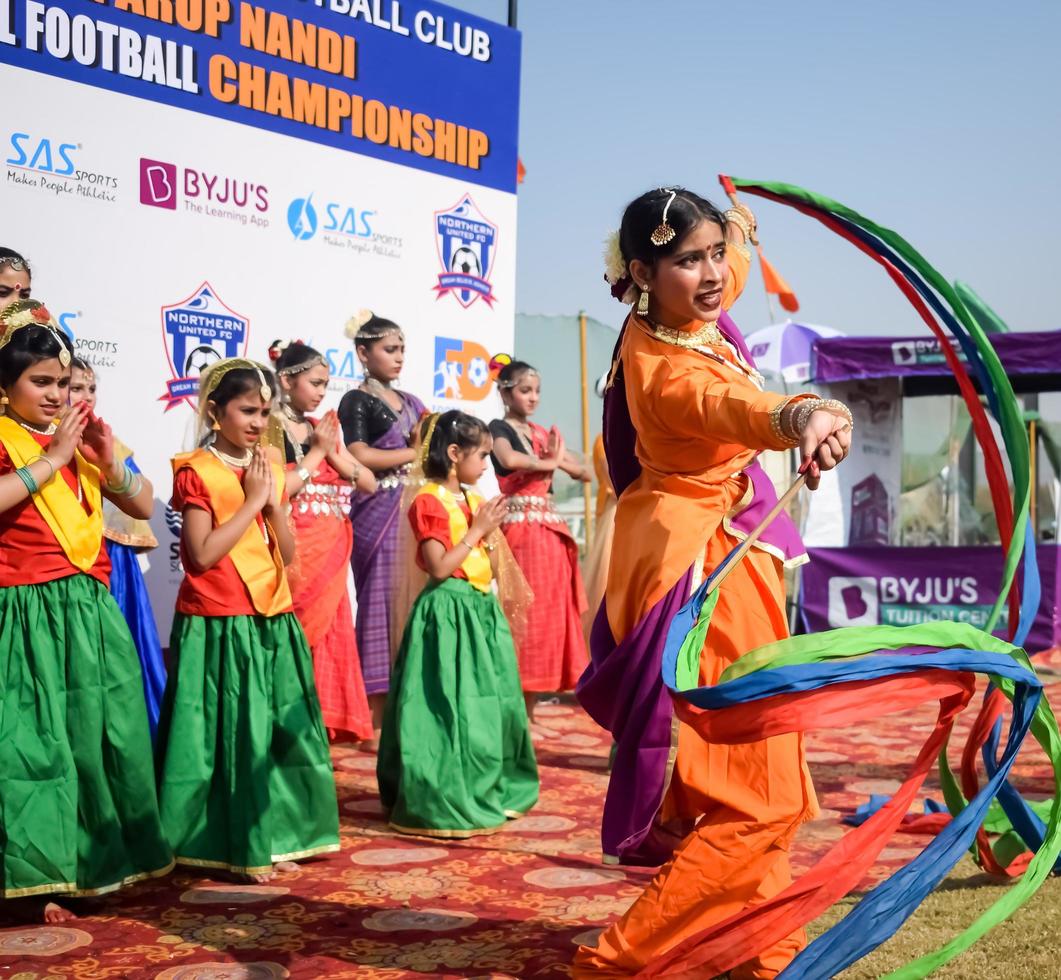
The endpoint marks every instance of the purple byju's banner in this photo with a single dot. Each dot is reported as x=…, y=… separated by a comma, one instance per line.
x=903, y=586
x=851, y=358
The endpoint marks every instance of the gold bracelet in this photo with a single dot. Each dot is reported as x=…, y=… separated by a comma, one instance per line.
x=735, y=217
x=801, y=416
x=777, y=427
x=839, y=408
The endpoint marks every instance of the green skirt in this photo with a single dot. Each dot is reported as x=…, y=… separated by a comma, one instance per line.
x=455, y=754
x=245, y=775
x=78, y=811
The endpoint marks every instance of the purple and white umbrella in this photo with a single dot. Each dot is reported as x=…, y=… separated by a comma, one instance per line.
x=784, y=349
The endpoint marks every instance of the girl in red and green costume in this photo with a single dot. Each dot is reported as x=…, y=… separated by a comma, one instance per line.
x=246, y=780
x=455, y=755
x=78, y=811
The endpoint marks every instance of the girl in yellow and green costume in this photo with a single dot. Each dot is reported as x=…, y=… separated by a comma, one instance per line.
x=455, y=754
x=245, y=780
x=78, y=811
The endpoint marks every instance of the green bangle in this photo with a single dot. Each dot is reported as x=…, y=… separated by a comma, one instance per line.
x=122, y=486
x=24, y=474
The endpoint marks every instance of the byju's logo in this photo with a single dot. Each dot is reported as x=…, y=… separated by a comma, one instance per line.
x=302, y=218
x=462, y=370
x=158, y=184
x=204, y=193
x=853, y=601
x=466, y=242
x=197, y=332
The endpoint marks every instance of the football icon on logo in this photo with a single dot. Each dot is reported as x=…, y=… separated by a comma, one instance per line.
x=199, y=360
x=466, y=261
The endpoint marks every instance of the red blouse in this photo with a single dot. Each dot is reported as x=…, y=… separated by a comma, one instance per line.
x=430, y=522
x=29, y=552
x=219, y=591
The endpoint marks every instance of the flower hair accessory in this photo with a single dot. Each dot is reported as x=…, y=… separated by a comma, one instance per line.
x=664, y=233
x=615, y=271
x=31, y=313
x=278, y=348
x=498, y=363
x=356, y=322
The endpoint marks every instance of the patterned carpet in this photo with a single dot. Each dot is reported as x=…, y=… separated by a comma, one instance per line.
x=514, y=905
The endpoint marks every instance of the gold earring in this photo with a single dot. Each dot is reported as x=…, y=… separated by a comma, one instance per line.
x=216, y=426
x=642, y=303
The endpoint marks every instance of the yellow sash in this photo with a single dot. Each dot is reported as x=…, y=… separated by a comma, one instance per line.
x=477, y=565
x=258, y=564
x=79, y=534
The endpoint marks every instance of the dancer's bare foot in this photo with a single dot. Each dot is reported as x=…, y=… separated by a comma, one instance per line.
x=34, y=911
x=261, y=877
x=53, y=913
x=285, y=867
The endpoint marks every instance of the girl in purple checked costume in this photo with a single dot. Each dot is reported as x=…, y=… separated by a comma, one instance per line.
x=378, y=423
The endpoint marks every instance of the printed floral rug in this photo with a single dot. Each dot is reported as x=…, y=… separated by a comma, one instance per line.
x=514, y=905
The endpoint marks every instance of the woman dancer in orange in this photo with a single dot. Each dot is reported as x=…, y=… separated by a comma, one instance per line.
x=685, y=417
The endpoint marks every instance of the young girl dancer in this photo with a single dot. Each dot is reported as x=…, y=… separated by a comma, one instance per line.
x=320, y=474
x=125, y=538
x=378, y=422
x=245, y=778
x=455, y=756
x=79, y=814
x=552, y=651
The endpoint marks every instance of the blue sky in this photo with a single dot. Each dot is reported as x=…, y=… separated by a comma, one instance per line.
x=939, y=119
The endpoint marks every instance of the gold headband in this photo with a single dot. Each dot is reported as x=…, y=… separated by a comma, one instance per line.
x=31, y=313
x=211, y=378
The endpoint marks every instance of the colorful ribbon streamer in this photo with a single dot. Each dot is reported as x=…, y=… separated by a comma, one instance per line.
x=845, y=677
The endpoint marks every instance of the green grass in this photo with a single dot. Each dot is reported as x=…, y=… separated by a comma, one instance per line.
x=1027, y=946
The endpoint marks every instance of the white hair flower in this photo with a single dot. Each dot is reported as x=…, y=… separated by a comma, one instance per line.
x=614, y=263
x=356, y=322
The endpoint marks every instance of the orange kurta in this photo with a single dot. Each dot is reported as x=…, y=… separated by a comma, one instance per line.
x=700, y=418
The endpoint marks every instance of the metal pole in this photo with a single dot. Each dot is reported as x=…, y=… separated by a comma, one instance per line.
x=512, y=4
x=587, y=499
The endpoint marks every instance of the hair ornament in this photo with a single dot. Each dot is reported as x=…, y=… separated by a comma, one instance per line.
x=15, y=263
x=278, y=348
x=512, y=382
x=498, y=363
x=211, y=378
x=31, y=313
x=425, y=446
x=664, y=233
x=356, y=322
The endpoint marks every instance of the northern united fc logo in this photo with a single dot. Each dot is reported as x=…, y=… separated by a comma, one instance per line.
x=196, y=332
x=467, y=242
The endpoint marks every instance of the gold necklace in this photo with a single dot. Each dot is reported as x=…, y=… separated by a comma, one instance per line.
x=708, y=334
x=234, y=461
x=46, y=430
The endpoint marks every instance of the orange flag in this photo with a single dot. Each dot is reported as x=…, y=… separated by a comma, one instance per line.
x=521, y=171
x=775, y=284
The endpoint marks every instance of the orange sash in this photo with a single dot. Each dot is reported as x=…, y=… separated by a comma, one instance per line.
x=258, y=564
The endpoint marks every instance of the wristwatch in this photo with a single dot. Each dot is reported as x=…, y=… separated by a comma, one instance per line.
x=303, y=474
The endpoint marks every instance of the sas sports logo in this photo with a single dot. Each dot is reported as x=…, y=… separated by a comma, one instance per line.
x=197, y=332
x=302, y=218
x=462, y=370
x=466, y=242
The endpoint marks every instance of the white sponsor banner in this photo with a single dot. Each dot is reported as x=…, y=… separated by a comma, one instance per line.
x=164, y=239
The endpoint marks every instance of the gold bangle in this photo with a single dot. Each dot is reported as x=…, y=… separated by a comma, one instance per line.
x=777, y=427
x=733, y=216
